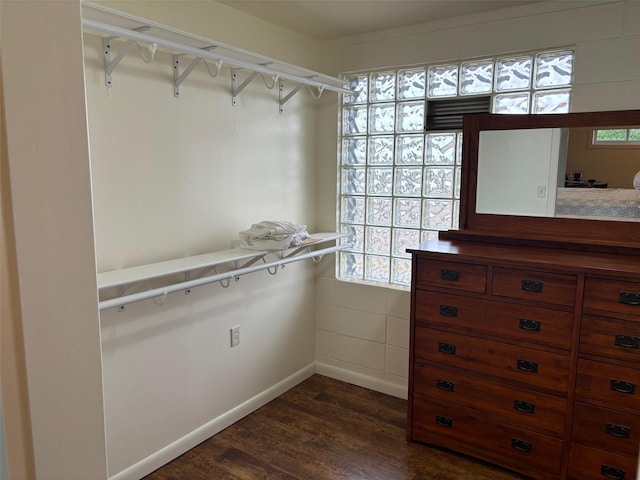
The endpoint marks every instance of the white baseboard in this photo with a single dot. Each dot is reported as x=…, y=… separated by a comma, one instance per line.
x=180, y=446
x=361, y=380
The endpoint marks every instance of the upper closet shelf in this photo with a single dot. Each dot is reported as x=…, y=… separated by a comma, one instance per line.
x=136, y=30
x=196, y=269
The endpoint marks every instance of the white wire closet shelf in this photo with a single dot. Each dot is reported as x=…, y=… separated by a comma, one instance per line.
x=197, y=269
x=115, y=24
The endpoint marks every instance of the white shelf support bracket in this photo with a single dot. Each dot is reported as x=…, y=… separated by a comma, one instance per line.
x=235, y=88
x=110, y=65
x=285, y=99
x=178, y=77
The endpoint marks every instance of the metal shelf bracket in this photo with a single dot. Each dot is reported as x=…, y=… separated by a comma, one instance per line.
x=111, y=64
x=178, y=77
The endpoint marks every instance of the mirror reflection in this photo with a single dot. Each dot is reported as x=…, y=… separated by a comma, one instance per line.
x=560, y=172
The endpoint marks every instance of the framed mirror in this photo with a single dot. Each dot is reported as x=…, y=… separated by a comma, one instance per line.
x=565, y=178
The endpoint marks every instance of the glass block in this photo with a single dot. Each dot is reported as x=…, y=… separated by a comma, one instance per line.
x=409, y=149
x=352, y=210
x=403, y=239
x=354, y=180
x=376, y=268
x=634, y=134
x=410, y=117
x=378, y=240
x=551, y=101
x=408, y=181
x=476, y=77
x=427, y=235
x=553, y=69
x=401, y=271
x=354, y=120
x=380, y=181
x=437, y=214
x=357, y=84
x=406, y=212
x=355, y=236
x=411, y=83
x=442, y=81
x=515, y=103
x=351, y=265
x=441, y=149
x=382, y=118
x=513, y=74
x=381, y=150
x=458, y=182
x=379, y=211
x=456, y=215
x=459, y=148
x=383, y=86
x=438, y=182
x=354, y=151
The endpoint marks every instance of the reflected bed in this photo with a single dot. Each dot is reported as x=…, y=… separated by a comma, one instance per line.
x=601, y=203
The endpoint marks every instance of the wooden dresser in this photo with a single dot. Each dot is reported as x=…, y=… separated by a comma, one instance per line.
x=527, y=357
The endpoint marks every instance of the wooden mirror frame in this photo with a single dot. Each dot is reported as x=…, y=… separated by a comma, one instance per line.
x=569, y=232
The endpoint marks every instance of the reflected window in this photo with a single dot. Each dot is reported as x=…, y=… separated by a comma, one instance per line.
x=625, y=137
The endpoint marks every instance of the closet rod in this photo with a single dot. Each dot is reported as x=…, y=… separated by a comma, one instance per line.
x=175, y=47
x=162, y=291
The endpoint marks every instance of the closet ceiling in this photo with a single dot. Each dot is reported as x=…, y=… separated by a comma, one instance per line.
x=329, y=19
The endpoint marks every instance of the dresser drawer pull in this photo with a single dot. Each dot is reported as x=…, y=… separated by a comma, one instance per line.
x=444, y=421
x=527, y=324
x=612, y=472
x=450, y=275
x=447, y=348
x=524, y=407
x=527, y=366
x=520, y=445
x=627, y=341
x=622, y=386
x=534, y=286
x=448, y=311
x=630, y=298
x=445, y=385
x=617, y=430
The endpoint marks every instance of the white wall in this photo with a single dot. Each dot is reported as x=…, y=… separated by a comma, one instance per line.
x=177, y=177
x=368, y=344
x=48, y=159
x=518, y=172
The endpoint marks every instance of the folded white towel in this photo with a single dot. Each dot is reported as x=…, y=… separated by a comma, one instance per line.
x=273, y=235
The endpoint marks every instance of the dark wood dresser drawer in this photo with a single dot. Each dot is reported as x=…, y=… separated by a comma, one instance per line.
x=452, y=275
x=606, y=429
x=535, y=286
x=612, y=384
x=488, y=358
x=610, y=337
x=519, y=322
x=612, y=295
x=531, y=453
x=587, y=463
x=528, y=408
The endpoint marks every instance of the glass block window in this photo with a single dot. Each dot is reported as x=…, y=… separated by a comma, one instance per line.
x=400, y=182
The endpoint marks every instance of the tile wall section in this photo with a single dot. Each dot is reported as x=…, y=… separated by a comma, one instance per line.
x=362, y=335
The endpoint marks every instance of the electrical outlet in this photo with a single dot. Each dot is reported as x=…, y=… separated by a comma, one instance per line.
x=235, y=336
x=542, y=191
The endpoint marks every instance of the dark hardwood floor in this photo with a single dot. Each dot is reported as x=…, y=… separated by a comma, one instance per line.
x=324, y=429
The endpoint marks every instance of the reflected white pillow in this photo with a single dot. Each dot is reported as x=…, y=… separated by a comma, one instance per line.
x=636, y=181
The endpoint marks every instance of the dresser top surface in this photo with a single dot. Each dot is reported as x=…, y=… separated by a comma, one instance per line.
x=550, y=258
